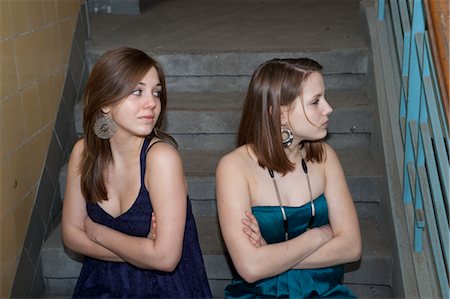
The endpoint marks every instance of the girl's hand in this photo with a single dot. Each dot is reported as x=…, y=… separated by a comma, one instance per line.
x=251, y=229
x=152, y=234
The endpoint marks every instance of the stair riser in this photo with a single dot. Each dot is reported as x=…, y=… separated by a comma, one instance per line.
x=218, y=267
x=343, y=120
x=208, y=208
x=227, y=142
x=240, y=83
x=342, y=61
x=365, y=291
x=363, y=189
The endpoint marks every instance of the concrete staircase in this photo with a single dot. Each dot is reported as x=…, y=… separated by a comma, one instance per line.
x=206, y=88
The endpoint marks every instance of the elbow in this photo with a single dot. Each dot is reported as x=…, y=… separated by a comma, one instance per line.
x=166, y=262
x=249, y=273
x=355, y=252
x=169, y=264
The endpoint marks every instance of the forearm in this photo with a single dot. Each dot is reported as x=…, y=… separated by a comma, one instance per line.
x=139, y=251
x=77, y=240
x=273, y=259
x=338, y=250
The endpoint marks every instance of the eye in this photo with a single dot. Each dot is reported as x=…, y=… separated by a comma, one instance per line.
x=137, y=92
x=315, y=101
x=157, y=93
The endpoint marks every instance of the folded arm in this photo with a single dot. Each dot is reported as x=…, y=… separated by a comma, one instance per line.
x=255, y=263
x=168, y=192
x=74, y=213
x=346, y=245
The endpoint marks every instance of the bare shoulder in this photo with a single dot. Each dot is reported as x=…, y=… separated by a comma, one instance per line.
x=162, y=154
x=234, y=160
x=77, y=151
x=330, y=154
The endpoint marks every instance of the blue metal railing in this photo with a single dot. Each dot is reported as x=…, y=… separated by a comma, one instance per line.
x=424, y=132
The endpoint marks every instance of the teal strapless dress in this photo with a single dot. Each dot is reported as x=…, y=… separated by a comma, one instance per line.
x=295, y=283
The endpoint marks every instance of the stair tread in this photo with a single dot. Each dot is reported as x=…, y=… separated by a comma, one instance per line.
x=204, y=163
x=212, y=244
x=375, y=252
x=251, y=26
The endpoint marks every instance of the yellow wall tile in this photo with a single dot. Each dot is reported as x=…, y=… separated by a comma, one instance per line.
x=36, y=38
x=3, y=140
x=48, y=99
x=22, y=217
x=35, y=149
x=8, y=73
x=66, y=9
x=19, y=173
x=12, y=119
x=5, y=21
x=27, y=59
x=53, y=48
x=35, y=13
x=8, y=247
x=19, y=18
x=6, y=188
x=7, y=278
x=31, y=110
x=40, y=51
x=49, y=11
x=65, y=37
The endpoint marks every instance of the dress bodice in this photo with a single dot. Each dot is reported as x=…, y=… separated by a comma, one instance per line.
x=270, y=219
x=295, y=283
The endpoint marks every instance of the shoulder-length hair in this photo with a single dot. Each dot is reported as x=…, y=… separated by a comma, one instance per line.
x=275, y=83
x=114, y=76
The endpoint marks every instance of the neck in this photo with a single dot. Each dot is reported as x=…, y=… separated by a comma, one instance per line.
x=125, y=150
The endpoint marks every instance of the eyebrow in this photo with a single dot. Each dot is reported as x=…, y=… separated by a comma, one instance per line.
x=142, y=83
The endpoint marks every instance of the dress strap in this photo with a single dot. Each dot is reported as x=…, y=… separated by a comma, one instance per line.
x=146, y=146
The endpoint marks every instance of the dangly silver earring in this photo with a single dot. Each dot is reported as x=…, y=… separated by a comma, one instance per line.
x=288, y=140
x=104, y=126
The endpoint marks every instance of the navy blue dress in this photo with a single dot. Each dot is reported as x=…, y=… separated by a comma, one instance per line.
x=103, y=279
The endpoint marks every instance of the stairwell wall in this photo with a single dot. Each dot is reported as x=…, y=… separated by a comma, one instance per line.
x=41, y=70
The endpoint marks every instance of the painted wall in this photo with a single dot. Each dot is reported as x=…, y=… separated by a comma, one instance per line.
x=35, y=43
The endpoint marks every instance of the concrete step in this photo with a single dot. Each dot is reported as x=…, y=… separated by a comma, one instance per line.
x=359, y=167
x=208, y=120
x=62, y=267
x=361, y=172
x=373, y=268
x=216, y=45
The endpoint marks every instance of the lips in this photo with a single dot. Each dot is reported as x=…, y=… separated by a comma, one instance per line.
x=147, y=117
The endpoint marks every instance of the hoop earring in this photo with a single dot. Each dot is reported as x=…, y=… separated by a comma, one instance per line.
x=104, y=126
x=287, y=141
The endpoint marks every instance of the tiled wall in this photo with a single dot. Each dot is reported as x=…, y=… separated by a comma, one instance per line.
x=37, y=91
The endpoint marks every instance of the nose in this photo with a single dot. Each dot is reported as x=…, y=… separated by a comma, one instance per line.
x=327, y=109
x=150, y=102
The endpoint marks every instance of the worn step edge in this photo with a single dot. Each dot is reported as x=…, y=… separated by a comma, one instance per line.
x=375, y=266
x=334, y=61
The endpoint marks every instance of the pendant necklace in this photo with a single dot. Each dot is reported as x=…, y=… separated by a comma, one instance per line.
x=283, y=213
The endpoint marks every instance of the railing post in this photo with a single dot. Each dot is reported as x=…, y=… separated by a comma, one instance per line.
x=380, y=10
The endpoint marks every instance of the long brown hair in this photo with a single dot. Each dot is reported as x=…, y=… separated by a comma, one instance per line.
x=275, y=83
x=114, y=76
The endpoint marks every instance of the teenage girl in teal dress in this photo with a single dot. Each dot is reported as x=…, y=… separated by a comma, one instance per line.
x=285, y=211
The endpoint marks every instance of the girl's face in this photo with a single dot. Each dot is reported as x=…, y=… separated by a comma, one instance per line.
x=138, y=113
x=307, y=116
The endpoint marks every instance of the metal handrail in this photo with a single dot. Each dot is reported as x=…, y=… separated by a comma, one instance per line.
x=425, y=137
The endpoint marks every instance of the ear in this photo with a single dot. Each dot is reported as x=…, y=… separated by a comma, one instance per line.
x=106, y=109
x=284, y=115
